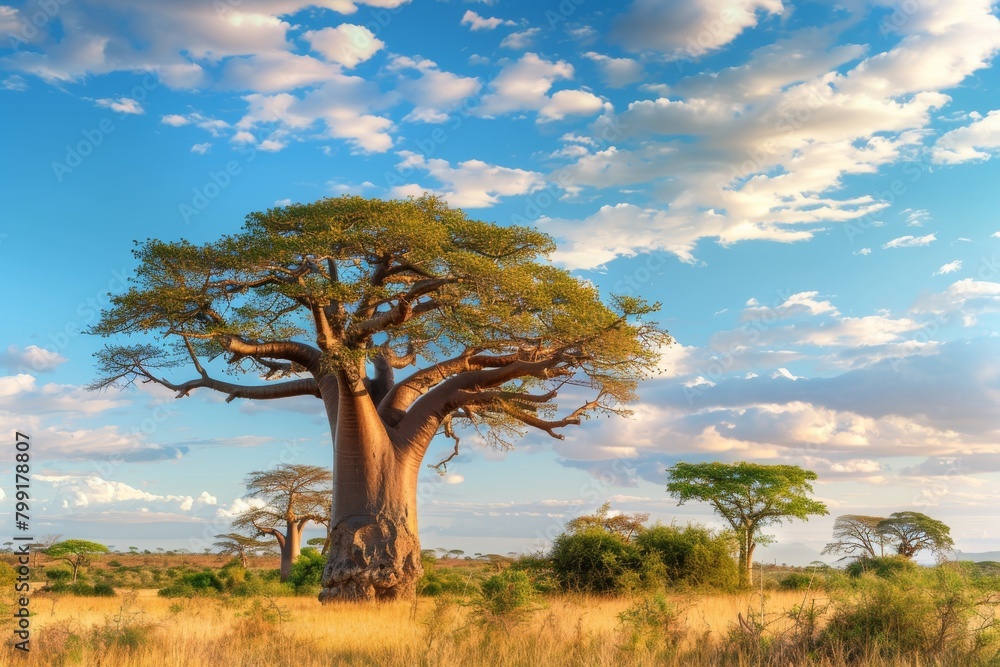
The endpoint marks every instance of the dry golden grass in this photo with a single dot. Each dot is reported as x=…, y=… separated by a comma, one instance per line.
x=144, y=630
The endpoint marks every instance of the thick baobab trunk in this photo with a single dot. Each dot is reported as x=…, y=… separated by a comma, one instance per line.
x=374, y=546
x=290, y=547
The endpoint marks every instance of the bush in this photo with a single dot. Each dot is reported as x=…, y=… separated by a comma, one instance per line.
x=796, y=581
x=58, y=575
x=692, y=556
x=103, y=590
x=307, y=571
x=594, y=561
x=884, y=567
x=446, y=581
x=933, y=613
x=505, y=599
x=194, y=583
x=649, y=623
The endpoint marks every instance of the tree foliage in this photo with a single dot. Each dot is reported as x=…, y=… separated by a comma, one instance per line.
x=241, y=546
x=749, y=496
x=857, y=536
x=308, y=290
x=912, y=532
x=77, y=553
x=625, y=525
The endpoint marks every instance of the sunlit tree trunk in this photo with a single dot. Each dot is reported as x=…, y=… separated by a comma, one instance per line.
x=374, y=545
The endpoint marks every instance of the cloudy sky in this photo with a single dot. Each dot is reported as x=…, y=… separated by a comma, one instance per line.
x=808, y=188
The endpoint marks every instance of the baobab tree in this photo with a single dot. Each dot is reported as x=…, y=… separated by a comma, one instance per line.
x=329, y=299
x=293, y=495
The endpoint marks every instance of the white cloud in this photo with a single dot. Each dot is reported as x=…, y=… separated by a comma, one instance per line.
x=201, y=149
x=976, y=141
x=617, y=72
x=477, y=22
x=348, y=45
x=470, y=184
x=84, y=491
x=524, y=85
x=521, y=40
x=967, y=299
x=125, y=105
x=435, y=92
x=238, y=506
x=31, y=358
x=275, y=72
x=175, y=120
x=862, y=251
x=688, y=29
x=453, y=478
x=950, y=267
x=570, y=103
x=910, y=241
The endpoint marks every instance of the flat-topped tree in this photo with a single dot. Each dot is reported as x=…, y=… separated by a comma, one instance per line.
x=329, y=299
x=293, y=495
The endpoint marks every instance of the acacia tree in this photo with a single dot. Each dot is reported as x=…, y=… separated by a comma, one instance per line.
x=748, y=496
x=330, y=298
x=293, y=495
x=75, y=552
x=625, y=525
x=857, y=535
x=912, y=532
x=237, y=544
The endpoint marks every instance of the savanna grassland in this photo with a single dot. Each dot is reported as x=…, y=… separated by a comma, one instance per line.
x=169, y=610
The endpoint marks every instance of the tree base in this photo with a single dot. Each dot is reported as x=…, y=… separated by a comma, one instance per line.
x=371, y=558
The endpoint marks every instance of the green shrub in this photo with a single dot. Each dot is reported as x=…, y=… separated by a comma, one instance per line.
x=884, y=567
x=594, y=560
x=103, y=590
x=649, y=623
x=58, y=574
x=307, y=572
x=505, y=599
x=194, y=583
x=447, y=581
x=692, y=555
x=797, y=581
x=540, y=572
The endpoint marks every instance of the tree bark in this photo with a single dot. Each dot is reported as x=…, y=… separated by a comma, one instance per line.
x=290, y=549
x=374, y=545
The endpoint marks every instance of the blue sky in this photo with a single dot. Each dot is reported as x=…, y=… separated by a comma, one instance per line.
x=809, y=189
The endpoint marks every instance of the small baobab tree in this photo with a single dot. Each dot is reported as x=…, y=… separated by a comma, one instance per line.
x=292, y=495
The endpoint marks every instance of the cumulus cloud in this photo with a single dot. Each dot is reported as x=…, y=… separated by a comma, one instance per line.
x=477, y=22
x=977, y=141
x=469, y=184
x=31, y=358
x=760, y=150
x=347, y=44
x=616, y=72
x=523, y=84
x=84, y=491
x=681, y=29
x=524, y=39
x=434, y=93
